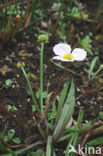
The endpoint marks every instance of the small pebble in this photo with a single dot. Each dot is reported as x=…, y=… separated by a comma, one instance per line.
x=93, y=114
x=29, y=42
x=1, y=117
x=78, y=89
x=12, y=55
x=95, y=103
x=78, y=103
x=7, y=58
x=85, y=101
x=101, y=107
x=44, y=24
x=86, y=121
x=18, y=75
x=27, y=37
x=93, y=98
x=91, y=102
x=28, y=100
x=17, y=85
x=81, y=33
x=13, y=86
x=91, y=107
x=99, y=98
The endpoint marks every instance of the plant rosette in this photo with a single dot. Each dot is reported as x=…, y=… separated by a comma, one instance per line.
x=63, y=52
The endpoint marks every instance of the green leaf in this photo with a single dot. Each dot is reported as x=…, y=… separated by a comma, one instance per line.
x=11, y=133
x=93, y=63
x=33, y=108
x=23, y=151
x=76, y=134
x=78, y=13
x=11, y=108
x=16, y=140
x=86, y=43
x=49, y=146
x=14, y=108
x=7, y=154
x=65, y=137
x=53, y=113
x=12, y=10
x=68, y=146
x=98, y=70
x=38, y=153
x=62, y=67
x=8, y=83
x=44, y=94
x=97, y=141
x=8, y=107
x=66, y=114
x=79, y=120
x=89, y=51
x=62, y=99
x=38, y=94
x=50, y=125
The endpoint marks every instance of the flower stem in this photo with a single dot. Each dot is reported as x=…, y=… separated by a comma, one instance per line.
x=62, y=67
x=57, y=90
x=30, y=88
x=41, y=77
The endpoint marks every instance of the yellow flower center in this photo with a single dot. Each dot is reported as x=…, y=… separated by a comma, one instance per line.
x=68, y=57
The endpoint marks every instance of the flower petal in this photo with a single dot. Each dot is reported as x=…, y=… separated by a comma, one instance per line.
x=79, y=54
x=61, y=49
x=61, y=59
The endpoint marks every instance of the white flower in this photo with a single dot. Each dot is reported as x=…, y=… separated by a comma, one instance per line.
x=63, y=52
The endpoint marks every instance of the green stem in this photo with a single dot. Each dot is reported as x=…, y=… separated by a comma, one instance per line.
x=42, y=132
x=41, y=77
x=57, y=91
x=30, y=88
x=68, y=146
x=99, y=11
x=62, y=67
x=59, y=15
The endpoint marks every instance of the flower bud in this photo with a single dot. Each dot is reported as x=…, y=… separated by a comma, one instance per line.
x=43, y=38
x=20, y=64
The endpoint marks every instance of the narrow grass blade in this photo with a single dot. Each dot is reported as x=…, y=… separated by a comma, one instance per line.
x=74, y=135
x=80, y=119
x=41, y=78
x=66, y=114
x=89, y=51
x=93, y=63
x=29, y=148
x=25, y=150
x=65, y=137
x=95, y=142
x=49, y=146
x=62, y=67
x=62, y=99
x=69, y=146
x=30, y=88
x=38, y=153
x=54, y=154
x=100, y=68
